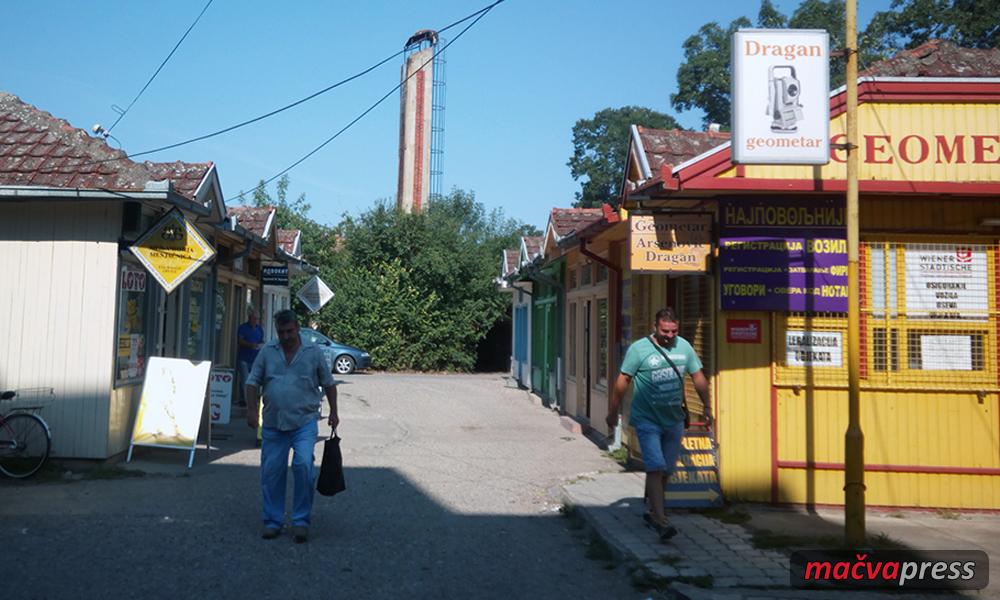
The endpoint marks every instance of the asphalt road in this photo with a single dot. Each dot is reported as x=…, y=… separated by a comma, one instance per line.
x=451, y=494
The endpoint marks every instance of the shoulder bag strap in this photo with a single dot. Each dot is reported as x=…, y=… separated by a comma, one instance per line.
x=680, y=377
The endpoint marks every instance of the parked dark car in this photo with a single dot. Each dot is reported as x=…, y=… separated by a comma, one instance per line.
x=341, y=358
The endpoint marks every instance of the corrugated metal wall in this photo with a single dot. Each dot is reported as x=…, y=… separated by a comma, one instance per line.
x=883, y=158
x=911, y=429
x=57, y=314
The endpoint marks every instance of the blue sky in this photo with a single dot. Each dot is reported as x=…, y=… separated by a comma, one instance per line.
x=516, y=84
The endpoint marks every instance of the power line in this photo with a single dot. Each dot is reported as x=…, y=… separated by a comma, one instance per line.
x=160, y=68
x=481, y=13
x=476, y=15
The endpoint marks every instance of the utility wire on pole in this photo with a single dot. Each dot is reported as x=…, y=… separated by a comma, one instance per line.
x=476, y=15
x=481, y=13
x=854, y=438
x=158, y=69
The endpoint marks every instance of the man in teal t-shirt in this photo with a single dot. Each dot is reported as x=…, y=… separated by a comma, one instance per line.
x=657, y=365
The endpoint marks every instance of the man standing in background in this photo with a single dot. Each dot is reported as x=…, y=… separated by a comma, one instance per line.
x=249, y=338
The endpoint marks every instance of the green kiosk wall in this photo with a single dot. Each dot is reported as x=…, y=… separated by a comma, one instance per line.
x=546, y=334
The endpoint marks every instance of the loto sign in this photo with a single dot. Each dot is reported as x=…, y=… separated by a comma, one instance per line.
x=670, y=243
x=780, y=92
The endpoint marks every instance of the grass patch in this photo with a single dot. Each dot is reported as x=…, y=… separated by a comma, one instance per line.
x=645, y=581
x=881, y=541
x=768, y=540
x=896, y=515
x=701, y=581
x=670, y=559
x=620, y=456
x=951, y=515
x=726, y=514
x=598, y=549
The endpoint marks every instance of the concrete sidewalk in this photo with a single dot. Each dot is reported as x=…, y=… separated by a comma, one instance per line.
x=711, y=559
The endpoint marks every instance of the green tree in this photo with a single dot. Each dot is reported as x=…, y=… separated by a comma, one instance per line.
x=769, y=17
x=703, y=77
x=600, y=147
x=910, y=23
x=416, y=290
x=318, y=240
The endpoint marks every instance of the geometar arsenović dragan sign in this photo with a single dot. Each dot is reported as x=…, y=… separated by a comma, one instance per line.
x=781, y=96
x=172, y=250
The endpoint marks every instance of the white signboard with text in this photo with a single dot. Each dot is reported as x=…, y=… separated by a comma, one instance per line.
x=220, y=395
x=170, y=409
x=814, y=348
x=946, y=281
x=781, y=96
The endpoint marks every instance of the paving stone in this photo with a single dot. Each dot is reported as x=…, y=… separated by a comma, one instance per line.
x=665, y=571
x=728, y=581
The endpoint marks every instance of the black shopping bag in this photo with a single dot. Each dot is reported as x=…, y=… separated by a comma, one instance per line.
x=331, y=471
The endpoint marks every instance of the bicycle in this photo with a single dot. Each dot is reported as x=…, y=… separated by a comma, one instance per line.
x=25, y=439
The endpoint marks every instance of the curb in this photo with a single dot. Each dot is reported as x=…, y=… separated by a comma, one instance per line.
x=625, y=557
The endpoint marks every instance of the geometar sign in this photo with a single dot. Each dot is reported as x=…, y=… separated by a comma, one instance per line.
x=781, y=96
x=172, y=250
x=670, y=243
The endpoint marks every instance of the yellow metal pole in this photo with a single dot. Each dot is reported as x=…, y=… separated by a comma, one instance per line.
x=854, y=439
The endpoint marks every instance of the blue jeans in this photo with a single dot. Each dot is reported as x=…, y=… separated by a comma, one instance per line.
x=243, y=373
x=274, y=473
x=660, y=446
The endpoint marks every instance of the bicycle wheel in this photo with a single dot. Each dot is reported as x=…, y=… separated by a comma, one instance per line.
x=24, y=445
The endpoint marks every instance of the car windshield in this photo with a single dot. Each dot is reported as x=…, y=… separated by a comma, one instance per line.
x=313, y=337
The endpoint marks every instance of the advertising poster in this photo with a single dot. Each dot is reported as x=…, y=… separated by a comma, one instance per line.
x=946, y=282
x=695, y=481
x=783, y=255
x=814, y=348
x=173, y=397
x=220, y=395
x=781, y=96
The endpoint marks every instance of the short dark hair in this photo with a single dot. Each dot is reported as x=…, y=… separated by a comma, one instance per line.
x=666, y=314
x=284, y=317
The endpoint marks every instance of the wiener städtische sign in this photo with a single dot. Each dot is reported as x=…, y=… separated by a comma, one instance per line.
x=781, y=96
x=783, y=254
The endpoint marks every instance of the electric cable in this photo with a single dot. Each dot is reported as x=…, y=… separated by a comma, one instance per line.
x=478, y=14
x=481, y=13
x=160, y=68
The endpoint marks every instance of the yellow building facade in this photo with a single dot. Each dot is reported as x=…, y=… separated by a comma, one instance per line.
x=776, y=352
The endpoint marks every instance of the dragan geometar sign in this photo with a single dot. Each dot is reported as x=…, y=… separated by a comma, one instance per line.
x=781, y=106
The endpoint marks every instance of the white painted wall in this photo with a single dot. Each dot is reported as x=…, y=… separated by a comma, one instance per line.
x=58, y=263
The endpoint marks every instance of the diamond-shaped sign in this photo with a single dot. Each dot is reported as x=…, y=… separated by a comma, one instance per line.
x=172, y=250
x=314, y=294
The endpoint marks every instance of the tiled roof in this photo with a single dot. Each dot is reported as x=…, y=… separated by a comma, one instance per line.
x=39, y=150
x=252, y=218
x=673, y=146
x=568, y=220
x=938, y=58
x=287, y=238
x=532, y=244
x=510, y=260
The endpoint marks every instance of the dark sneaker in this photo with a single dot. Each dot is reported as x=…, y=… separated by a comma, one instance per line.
x=269, y=533
x=662, y=528
x=300, y=534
